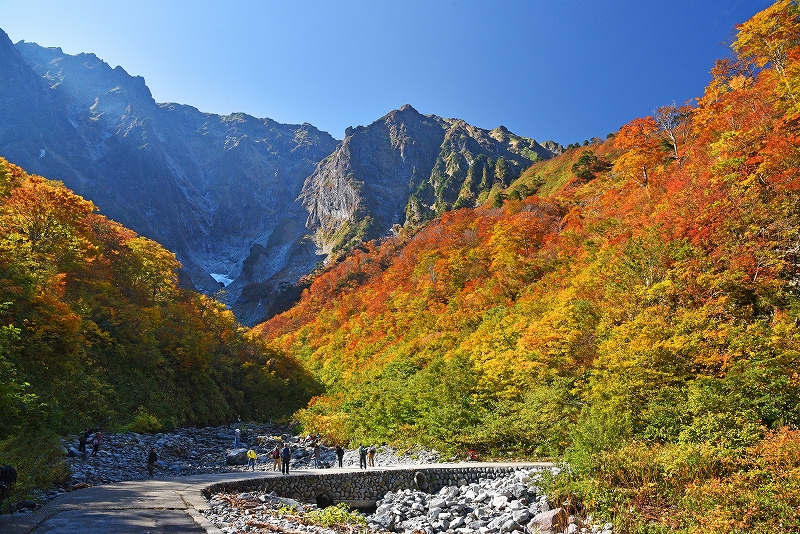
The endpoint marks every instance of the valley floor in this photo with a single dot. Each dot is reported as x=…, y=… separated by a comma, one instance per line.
x=193, y=451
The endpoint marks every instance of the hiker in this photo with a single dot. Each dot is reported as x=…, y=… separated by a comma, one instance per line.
x=151, y=461
x=339, y=454
x=98, y=436
x=372, y=452
x=8, y=477
x=276, y=458
x=251, y=459
x=83, y=441
x=362, y=456
x=237, y=438
x=317, y=461
x=286, y=455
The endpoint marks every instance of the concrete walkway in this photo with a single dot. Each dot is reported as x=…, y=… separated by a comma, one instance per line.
x=159, y=505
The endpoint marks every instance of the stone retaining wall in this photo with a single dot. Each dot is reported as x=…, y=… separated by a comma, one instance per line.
x=361, y=488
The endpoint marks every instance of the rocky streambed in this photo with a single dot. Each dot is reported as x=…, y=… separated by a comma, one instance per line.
x=191, y=451
x=506, y=505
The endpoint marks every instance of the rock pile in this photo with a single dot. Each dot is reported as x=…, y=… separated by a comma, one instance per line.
x=257, y=512
x=502, y=506
x=186, y=451
x=506, y=505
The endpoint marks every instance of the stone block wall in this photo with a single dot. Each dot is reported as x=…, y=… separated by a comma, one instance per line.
x=361, y=488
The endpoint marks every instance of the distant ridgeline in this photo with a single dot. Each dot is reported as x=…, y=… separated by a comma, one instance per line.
x=231, y=195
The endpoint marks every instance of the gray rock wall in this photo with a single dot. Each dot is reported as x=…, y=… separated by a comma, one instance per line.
x=362, y=488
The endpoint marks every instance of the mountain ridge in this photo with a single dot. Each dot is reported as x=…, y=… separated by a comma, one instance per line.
x=243, y=201
x=207, y=186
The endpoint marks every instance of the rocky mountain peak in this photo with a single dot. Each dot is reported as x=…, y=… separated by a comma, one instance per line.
x=406, y=168
x=83, y=77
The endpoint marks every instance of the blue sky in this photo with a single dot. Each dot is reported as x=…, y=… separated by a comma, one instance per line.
x=565, y=70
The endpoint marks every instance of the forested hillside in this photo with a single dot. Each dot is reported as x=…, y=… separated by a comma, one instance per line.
x=639, y=317
x=95, y=328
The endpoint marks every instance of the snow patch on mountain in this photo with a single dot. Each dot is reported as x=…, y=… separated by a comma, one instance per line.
x=222, y=279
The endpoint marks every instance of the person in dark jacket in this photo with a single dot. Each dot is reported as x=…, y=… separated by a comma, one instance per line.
x=362, y=457
x=286, y=455
x=151, y=461
x=339, y=454
x=276, y=458
x=83, y=441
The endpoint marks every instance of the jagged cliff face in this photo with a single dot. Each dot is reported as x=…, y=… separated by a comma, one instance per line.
x=361, y=190
x=405, y=169
x=220, y=191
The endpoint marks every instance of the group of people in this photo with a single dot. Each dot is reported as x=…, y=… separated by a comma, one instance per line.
x=281, y=455
x=365, y=454
x=95, y=440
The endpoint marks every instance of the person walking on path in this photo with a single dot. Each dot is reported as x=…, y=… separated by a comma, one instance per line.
x=317, y=453
x=362, y=456
x=276, y=458
x=151, y=461
x=372, y=452
x=339, y=454
x=286, y=455
x=251, y=459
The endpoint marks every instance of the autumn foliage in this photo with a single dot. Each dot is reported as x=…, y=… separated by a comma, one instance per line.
x=640, y=320
x=94, y=327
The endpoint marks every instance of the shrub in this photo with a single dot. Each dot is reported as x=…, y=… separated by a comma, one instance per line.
x=39, y=460
x=762, y=495
x=638, y=485
x=144, y=422
x=335, y=515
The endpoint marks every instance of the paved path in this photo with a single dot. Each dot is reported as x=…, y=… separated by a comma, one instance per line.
x=160, y=505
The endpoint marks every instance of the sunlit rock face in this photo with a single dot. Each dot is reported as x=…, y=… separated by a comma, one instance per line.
x=405, y=169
